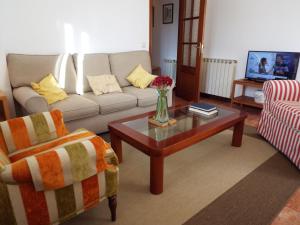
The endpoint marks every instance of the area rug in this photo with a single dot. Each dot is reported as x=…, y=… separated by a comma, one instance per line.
x=195, y=180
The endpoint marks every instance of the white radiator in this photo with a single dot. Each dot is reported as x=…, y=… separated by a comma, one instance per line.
x=169, y=68
x=217, y=76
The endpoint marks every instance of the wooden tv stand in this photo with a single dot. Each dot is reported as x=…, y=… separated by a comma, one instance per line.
x=243, y=99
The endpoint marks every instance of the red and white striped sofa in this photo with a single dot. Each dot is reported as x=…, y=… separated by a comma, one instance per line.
x=280, y=120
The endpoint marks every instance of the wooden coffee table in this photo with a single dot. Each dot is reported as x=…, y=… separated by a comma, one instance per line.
x=159, y=143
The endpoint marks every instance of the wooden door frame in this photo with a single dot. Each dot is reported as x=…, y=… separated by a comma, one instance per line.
x=150, y=27
x=200, y=37
x=202, y=17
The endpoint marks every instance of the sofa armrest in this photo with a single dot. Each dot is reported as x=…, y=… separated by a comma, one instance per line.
x=31, y=101
x=281, y=90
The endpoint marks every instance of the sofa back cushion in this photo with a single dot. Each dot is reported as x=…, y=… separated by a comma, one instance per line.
x=24, y=69
x=122, y=64
x=90, y=65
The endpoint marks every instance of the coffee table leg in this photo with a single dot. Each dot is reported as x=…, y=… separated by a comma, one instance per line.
x=116, y=145
x=238, y=134
x=156, y=175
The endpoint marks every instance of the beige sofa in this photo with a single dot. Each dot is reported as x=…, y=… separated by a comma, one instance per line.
x=82, y=108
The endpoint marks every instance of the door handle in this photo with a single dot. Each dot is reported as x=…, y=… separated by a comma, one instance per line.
x=201, y=47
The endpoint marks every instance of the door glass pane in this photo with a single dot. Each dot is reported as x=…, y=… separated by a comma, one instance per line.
x=193, y=55
x=195, y=30
x=188, y=7
x=185, y=55
x=187, y=25
x=196, y=8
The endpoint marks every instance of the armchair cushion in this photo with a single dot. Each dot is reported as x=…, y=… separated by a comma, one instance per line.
x=24, y=132
x=59, y=167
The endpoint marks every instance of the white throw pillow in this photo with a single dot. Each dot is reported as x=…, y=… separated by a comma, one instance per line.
x=103, y=84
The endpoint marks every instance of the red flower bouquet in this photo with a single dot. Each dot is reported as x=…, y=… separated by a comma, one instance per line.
x=162, y=82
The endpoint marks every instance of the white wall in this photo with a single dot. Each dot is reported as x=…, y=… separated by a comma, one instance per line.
x=58, y=26
x=165, y=36
x=233, y=27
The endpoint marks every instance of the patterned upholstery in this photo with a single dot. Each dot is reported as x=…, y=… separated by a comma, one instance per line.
x=4, y=160
x=287, y=112
x=31, y=130
x=48, y=176
x=280, y=119
x=281, y=90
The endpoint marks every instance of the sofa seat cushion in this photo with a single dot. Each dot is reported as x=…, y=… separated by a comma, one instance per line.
x=113, y=102
x=76, y=107
x=146, y=97
x=287, y=112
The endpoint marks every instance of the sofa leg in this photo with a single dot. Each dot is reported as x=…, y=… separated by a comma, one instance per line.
x=112, y=203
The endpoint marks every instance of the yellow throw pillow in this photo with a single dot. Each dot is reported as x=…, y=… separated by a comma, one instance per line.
x=104, y=84
x=140, y=78
x=49, y=88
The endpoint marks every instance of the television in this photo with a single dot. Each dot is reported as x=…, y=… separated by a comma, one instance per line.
x=265, y=65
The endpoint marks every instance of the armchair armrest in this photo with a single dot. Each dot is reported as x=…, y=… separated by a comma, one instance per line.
x=283, y=90
x=31, y=101
x=59, y=167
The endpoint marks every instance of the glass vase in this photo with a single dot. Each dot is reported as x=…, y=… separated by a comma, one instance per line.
x=162, y=114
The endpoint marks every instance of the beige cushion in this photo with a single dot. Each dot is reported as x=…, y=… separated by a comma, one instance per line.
x=24, y=69
x=76, y=107
x=92, y=65
x=113, y=102
x=103, y=84
x=122, y=64
x=146, y=97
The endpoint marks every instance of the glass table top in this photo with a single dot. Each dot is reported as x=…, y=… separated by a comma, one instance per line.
x=186, y=120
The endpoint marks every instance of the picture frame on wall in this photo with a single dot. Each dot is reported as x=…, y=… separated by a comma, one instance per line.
x=168, y=10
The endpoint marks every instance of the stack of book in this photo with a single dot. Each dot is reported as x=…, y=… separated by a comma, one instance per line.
x=204, y=109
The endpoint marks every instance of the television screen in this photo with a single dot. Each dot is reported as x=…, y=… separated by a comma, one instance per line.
x=272, y=65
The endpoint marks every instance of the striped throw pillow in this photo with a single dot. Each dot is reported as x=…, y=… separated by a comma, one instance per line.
x=27, y=131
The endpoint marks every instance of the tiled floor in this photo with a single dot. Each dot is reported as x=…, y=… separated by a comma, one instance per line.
x=290, y=214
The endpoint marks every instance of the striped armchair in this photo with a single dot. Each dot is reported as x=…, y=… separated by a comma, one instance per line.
x=280, y=119
x=48, y=175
